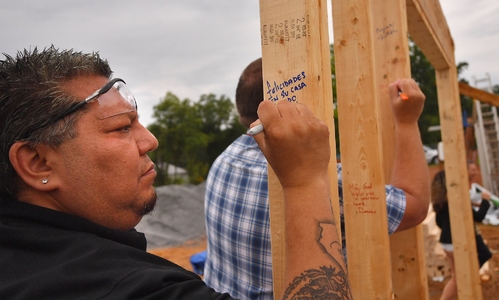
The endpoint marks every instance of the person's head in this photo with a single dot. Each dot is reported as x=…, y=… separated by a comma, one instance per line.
x=438, y=191
x=70, y=139
x=472, y=171
x=249, y=92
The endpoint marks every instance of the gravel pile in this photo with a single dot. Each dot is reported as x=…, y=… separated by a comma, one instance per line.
x=177, y=218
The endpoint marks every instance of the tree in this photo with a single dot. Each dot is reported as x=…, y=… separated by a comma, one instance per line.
x=335, y=100
x=220, y=121
x=423, y=72
x=192, y=134
x=178, y=130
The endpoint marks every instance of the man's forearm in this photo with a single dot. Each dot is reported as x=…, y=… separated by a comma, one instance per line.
x=313, y=246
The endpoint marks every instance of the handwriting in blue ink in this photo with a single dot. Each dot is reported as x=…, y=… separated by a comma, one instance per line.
x=286, y=89
x=385, y=31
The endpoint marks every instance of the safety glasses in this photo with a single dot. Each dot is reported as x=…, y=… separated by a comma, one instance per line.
x=114, y=98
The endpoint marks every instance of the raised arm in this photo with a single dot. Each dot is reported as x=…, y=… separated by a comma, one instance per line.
x=410, y=170
x=296, y=146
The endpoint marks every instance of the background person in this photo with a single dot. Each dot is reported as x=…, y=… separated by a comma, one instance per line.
x=236, y=202
x=479, y=194
x=75, y=179
x=440, y=205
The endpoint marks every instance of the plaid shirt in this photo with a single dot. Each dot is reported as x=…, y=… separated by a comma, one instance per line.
x=237, y=221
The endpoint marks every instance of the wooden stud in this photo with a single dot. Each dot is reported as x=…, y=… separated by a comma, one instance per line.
x=296, y=67
x=392, y=62
x=462, y=224
x=361, y=150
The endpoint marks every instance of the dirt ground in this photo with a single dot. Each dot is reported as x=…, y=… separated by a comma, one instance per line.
x=490, y=277
x=489, y=280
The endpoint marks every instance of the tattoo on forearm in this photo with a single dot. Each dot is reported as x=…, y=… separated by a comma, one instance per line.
x=326, y=283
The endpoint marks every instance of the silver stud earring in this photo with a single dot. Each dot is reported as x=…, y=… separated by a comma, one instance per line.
x=44, y=181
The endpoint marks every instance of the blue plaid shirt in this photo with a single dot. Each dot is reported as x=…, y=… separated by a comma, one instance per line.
x=239, y=259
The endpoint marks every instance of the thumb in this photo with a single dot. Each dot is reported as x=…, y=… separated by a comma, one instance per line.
x=260, y=137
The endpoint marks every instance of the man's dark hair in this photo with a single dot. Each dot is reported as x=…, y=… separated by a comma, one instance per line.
x=249, y=92
x=31, y=96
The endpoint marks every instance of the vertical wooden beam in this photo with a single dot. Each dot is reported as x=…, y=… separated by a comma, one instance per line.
x=296, y=67
x=462, y=224
x=409, y=277
x=361, y=150
x=353, y=31
x=391, y=63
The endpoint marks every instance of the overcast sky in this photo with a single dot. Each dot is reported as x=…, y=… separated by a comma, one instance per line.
x=195, y=47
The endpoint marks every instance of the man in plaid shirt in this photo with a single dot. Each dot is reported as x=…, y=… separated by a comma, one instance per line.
x=237, y=207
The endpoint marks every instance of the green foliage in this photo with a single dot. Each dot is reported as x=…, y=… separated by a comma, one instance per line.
x=335, y=100
x=192, y=134
x=333, y=71
x=423, y=72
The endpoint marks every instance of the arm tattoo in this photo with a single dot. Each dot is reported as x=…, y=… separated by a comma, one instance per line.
x=325, y=282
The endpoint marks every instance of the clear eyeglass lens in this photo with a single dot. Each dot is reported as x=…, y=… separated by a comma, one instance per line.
x=118, y=100
x=126, y=93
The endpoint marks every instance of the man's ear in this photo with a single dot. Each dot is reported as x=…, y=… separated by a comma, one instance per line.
x=31, y=165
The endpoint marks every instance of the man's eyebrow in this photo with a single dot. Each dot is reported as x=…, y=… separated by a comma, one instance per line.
x=133, y=114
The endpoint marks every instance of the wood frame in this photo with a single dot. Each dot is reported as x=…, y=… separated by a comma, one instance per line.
x=361, y=82
x=427, y=27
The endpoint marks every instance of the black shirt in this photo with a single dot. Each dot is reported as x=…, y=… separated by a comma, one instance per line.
x=442, y=219
x=46, y=254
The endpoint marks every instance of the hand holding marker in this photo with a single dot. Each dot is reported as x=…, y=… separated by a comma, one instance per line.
x=403, y=96
x=259, y=128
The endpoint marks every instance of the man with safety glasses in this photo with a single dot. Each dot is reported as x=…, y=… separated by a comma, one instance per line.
x=75, y=178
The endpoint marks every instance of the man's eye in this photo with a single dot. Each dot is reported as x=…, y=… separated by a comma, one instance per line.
x=124, y=128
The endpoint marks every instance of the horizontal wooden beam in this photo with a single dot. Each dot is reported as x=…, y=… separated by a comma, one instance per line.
x=478, y=94
x=428, y=29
